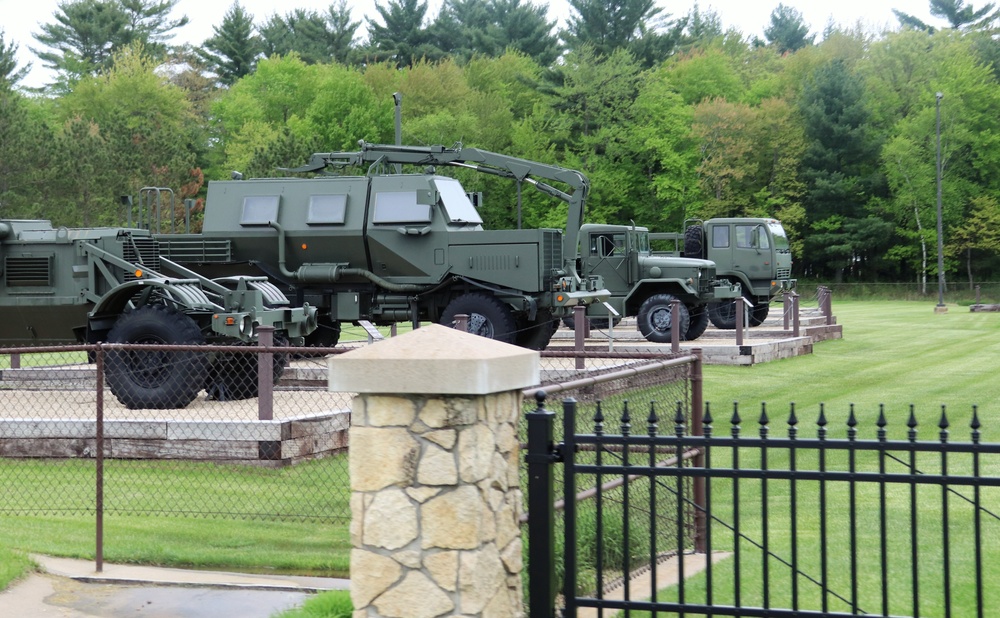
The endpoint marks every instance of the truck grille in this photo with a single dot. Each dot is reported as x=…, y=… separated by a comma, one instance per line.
x=141, y=250
x=28, y=271
x=552, y=258
x=784, y=273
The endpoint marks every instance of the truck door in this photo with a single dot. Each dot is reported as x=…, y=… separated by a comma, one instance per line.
x=752, y=251
x=607, y=256
x=405, y=230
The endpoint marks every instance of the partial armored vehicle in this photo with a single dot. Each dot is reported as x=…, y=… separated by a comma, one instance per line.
x=753, y=252
x=644, y=285
x=66, y=286
x=387, y=246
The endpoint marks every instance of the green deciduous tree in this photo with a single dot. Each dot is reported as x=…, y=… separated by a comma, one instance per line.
x=142, y=131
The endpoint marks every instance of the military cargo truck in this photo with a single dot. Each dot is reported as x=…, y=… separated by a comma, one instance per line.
x=753, y=252
x=387, y=246
x=67, y=286
x=644, y=285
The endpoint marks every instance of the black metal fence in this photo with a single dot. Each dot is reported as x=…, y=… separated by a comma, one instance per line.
x=662, y=378
x=788, y=524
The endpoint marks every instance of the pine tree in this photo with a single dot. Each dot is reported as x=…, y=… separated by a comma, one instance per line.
x=787, y=31
x=233, y=50
x=9, y=73
x=402, y=37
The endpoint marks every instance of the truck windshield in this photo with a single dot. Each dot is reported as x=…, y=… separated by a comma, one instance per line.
x=641, y=242
x=778, y=232
x=457, y=205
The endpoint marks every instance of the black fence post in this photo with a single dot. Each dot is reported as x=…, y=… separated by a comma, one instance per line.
x=541, y=514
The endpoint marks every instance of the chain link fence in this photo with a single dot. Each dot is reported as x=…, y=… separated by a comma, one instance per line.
x=202, y=432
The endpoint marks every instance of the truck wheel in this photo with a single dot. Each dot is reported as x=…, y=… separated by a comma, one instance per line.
x=694, y=242
x=537, y=334
x=488, y=317
x=233, y=375
x=723, y=313
x=699, y=322
x=326, y=335
x=655, y=318
x=151, y=379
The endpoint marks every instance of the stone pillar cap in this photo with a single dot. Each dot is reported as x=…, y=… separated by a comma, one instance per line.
x=435, y=359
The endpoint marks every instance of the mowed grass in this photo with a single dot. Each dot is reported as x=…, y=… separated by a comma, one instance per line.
x=894, y=354
x=182, y=514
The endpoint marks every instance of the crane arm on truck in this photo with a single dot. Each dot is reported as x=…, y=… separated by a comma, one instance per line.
x=483, y=161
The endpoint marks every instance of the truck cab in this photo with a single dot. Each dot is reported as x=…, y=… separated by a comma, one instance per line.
x=643, y=284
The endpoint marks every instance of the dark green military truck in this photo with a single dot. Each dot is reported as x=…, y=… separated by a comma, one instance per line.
x=753, y=252
x=390, y=245
x=644, y=284
x=66, y=286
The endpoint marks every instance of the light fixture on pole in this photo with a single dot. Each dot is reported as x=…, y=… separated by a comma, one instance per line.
x=940, y=308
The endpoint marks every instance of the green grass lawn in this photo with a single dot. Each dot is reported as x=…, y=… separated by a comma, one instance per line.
x=893, y=353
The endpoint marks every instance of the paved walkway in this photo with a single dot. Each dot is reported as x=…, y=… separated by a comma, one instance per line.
x=73, y=589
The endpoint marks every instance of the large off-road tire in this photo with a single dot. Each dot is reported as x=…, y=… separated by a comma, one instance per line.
x=155, y=379
x=699, y=322
x=536, y=335
x=723, y=313
x=234, y=375
x=654, y=318
x=488, y=316
x=326, y=335
x=694, y=242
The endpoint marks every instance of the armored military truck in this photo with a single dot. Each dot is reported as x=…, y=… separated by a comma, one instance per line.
x=753, y=252
x=389, y=246
x=645, y=285
x=66, y=286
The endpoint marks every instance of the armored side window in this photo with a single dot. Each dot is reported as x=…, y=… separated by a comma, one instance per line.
x=327, y=209
x=400, y=207
x=457, y=205
x=259, y=209
x=720, y=237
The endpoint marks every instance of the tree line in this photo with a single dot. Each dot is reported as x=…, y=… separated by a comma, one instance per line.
x=846, y=139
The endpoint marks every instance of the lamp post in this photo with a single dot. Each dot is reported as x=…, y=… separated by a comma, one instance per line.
x=940, y=230
x=397, y=98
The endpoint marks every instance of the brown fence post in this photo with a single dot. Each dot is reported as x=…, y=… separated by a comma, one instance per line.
x=581, y=328
x=977, y=304
x=99, y=459
x=675, y=328
x=265, y=374
x=697, y=429
x=786, y=306
x=462, y=322
x=15, y=360
x=740, y=307
x=795, y=314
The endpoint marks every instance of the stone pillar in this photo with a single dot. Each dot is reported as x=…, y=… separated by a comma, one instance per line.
x=434, y=458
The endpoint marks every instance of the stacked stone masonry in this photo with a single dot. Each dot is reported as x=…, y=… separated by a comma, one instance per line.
x=436, y=503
